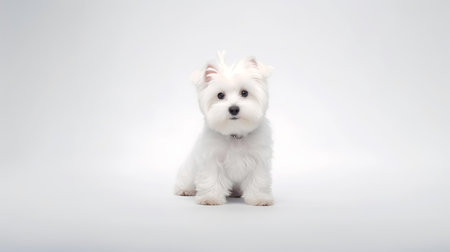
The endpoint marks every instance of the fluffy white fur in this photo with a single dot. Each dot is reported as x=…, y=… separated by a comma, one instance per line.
x=232, y=156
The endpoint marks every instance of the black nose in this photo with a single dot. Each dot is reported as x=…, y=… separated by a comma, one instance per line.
x=234, y=110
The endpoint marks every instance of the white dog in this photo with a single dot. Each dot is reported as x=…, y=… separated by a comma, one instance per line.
x=232, y=157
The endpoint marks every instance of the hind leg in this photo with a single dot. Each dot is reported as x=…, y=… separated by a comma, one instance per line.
x=257, y=189
x=185, y=181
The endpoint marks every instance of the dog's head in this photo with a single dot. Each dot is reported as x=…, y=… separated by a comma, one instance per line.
x=233, y=98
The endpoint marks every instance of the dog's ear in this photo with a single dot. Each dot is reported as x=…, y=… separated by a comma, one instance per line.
x=201, y=78
x=261, y=70
x=210, y=73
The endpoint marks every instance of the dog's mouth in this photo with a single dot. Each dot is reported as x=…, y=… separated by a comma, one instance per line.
x=234, y=118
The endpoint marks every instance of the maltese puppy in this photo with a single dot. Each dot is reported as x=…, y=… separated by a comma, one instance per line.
x=232, y=156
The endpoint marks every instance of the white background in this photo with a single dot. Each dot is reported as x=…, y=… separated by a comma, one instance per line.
x=97, y=113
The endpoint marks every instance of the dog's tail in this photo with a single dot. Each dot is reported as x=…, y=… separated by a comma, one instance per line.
x=221, y=55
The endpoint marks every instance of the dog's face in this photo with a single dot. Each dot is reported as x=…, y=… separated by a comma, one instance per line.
x=233, y=99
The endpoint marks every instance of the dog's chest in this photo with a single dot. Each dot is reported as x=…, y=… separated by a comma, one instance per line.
x=239, y=161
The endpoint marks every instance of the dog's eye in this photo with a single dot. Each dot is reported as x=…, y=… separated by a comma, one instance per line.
x=244, y=93
x=220, y=95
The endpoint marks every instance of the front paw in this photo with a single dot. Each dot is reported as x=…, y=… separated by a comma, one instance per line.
x=260, y=200
x=210, y=200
